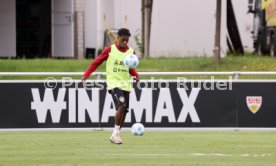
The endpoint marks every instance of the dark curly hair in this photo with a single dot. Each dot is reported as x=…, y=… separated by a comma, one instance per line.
x=123, y=32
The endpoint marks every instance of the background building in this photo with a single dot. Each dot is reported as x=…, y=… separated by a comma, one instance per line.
x=75, y=28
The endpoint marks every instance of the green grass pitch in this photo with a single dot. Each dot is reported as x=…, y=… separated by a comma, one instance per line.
x=161, y=148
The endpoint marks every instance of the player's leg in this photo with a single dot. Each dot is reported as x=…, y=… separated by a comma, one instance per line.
x=126, y=94
x=120, y=104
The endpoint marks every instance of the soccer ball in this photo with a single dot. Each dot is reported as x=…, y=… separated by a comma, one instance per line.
x=131, y=61
x=137, y=129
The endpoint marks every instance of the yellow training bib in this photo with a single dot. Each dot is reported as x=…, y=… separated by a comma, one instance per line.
x=117, y=73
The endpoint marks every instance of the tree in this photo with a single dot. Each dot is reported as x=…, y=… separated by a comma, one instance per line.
x=146, y=26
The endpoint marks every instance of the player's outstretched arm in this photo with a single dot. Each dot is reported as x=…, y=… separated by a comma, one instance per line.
x=96, y=63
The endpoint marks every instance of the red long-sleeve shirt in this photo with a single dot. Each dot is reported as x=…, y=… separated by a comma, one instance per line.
x=103, y=57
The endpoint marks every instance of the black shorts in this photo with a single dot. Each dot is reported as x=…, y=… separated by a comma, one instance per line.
x=120, y=97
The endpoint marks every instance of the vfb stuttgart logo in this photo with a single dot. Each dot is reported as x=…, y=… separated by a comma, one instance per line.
x=254, y=103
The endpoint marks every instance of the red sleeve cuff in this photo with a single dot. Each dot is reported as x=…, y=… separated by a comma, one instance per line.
x=134, y=73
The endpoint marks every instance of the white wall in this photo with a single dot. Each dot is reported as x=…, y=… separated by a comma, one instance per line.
x=128, y=14
x=106, y=8
x=7, y=28
x=95, y=10
x=182, y=28
x=185, y=28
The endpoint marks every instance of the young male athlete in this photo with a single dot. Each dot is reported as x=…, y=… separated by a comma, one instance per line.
x=118, y=78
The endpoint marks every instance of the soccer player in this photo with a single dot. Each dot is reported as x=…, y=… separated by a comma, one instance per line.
x=118, y=78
